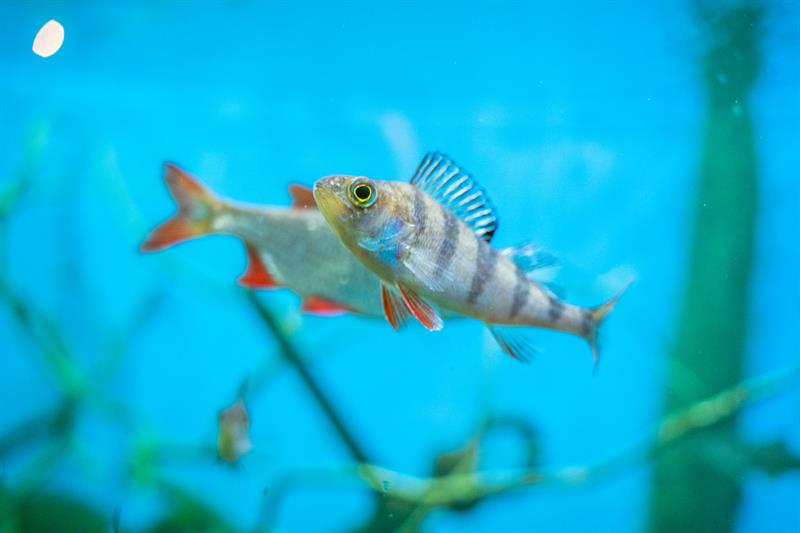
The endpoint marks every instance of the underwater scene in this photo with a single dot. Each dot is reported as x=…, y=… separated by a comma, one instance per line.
x=400, y=266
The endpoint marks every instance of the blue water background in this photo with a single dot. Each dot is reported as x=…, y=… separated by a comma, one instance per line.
x=584, y=122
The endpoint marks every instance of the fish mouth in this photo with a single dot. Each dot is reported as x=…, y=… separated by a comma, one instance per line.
x=329, y=199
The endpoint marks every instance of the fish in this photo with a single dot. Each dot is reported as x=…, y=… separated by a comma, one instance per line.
x=428, y=240
x=290, y=247
x=233, y=437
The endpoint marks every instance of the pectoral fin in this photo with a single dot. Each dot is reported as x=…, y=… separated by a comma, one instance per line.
x=393, y=307
x=423, y=312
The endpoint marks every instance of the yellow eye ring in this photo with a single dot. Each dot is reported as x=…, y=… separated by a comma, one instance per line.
x=362, y=194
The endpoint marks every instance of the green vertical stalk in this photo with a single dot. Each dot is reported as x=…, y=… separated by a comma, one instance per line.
x=691, y=491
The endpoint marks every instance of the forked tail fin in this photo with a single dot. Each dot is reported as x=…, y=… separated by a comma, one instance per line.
x=594, y=318
x=196, y=208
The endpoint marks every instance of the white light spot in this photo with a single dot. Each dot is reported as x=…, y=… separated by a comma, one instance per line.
x=48, y=39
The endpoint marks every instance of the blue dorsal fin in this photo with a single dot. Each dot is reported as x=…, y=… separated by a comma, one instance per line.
x=454, y=188
x=529, y=257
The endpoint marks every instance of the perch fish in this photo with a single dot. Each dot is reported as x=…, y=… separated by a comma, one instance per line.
x=428, y=241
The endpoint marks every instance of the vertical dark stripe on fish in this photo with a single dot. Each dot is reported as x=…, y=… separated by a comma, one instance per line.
x=521, y=293
x=449, y=244
x=485, y=264
x=587, y=322
x=555, y=309
x=419, y=214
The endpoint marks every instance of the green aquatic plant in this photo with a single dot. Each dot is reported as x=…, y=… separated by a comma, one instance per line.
x=712, y=327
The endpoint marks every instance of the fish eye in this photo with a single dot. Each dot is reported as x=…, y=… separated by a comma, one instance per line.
x=362, y=194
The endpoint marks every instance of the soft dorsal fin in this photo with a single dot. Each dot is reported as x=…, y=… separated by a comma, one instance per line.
x=454, y=188
x=537, y=264
x=302, y=197
x=530, y=257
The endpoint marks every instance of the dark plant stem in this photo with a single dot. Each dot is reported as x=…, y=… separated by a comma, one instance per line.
x=293, y=357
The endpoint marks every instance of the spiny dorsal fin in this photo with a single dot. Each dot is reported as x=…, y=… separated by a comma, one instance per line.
x=302, y=197
x=454, y=188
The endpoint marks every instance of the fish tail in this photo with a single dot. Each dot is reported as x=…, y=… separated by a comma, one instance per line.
x=196, y=209
x=594, y=317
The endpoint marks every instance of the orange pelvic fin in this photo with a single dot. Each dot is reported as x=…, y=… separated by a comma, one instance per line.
x=423, y=312
x=196, y=207
x=320, y=306
x=302, y=197
x=393, y=307
x=256, y=276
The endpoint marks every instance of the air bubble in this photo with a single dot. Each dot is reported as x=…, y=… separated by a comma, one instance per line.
x=48, y=39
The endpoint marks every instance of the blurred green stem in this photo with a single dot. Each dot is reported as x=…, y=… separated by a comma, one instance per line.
x=712, y=324
x=473, y=486
x=48, y=338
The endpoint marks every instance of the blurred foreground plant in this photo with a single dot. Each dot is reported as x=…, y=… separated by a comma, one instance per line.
x=712, y=325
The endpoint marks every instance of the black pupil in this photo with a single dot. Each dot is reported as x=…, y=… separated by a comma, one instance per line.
x=362, y=192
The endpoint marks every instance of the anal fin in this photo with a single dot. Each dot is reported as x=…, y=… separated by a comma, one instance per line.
x=418, y=307
x=513, y=343
x=320, y=306
x=393, y=307
x=256, y=276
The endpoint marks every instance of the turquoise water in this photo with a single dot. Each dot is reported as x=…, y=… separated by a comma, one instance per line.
x=584, y=121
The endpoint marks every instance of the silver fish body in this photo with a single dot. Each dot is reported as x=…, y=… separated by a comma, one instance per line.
x=291, y=247
x=302, y=254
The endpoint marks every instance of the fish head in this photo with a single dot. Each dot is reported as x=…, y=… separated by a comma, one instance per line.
x=361, y=211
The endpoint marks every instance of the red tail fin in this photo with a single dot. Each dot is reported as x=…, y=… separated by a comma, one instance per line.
x=195, y=211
